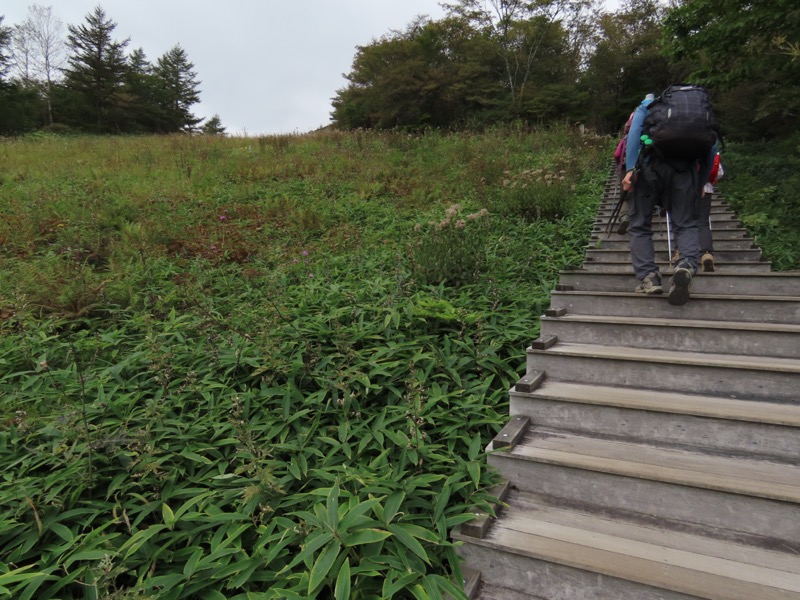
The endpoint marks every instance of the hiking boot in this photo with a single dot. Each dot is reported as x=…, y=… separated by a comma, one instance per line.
x=651, y=284
x=679, y=287
x=622, y=226
x=708, y=262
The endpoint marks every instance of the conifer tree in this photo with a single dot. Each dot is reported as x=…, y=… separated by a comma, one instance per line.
x=178, y=89
x=97, y=69
x=213, y=126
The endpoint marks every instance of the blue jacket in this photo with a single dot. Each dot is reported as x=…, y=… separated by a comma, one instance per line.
x=634, y=143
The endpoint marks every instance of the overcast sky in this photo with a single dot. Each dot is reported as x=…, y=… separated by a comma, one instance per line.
x=265, y=66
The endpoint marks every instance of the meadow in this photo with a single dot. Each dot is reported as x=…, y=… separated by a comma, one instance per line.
x=268, y=367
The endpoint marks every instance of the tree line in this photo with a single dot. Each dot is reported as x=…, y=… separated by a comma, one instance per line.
x=85, y=80
x=490, y=61
x=485, y=62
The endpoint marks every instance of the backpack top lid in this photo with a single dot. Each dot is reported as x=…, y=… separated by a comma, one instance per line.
x=681, y=122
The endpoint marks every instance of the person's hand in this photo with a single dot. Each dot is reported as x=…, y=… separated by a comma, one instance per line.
x=627, y=181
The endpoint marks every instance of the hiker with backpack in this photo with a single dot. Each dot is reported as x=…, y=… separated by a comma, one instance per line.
x=669, y=154
x=704, y=216
x=704, y=235
x=622, y=219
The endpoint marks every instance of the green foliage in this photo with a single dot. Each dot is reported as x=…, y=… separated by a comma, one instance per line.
x=761, y=182
x=534, y=194
x=294, y=413
x=748, y=52
x=177, y=89
x=466, y=70
x=453, y=249
x=627, y=63
x=96, y=69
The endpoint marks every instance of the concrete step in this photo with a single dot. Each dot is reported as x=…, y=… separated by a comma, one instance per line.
x=723, y=282
x=743, y=427
x=747, y=497
x=712, y=307
x=746, y=377
x=723, y=337
x=718, y=226
x=599, y=232
x=720, y=243
x=605, y=210
x=499, y=592
x=539, y=548
x=602, y=255
x=719, y=220
x=662, y=261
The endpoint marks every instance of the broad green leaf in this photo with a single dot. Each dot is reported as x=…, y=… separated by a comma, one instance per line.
x=365, y=536
x=309, y=548
x=17, y=575
x=322, y=565
x=342, y=590
x=139, y=539
x=419, y=592
x=431, y=588
x=441, y=503
x=408, y=540
x=62, y=531
x=191, y=564
x=168, y=516
x=353, y=514
x=392, y=586
x=456, y=592
x=392, y=505
x=332, y=505
x=474, y=469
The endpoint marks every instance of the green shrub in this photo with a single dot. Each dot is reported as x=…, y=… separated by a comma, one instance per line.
x=452, y=250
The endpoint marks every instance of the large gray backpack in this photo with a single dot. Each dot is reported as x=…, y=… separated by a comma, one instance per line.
x=681, y=122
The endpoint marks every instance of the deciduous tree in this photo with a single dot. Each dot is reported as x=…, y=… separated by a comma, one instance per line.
x=5, y=42
x=522, y=31
x=17, y=105
x=39, y=52
x=433, y=74
x=749, y=53
x=627, y=63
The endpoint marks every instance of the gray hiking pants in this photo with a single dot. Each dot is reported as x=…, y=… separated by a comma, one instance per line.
x=675, y=187
x=704, y=224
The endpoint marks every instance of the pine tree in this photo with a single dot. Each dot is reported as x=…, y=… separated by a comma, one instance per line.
x=97, y=70
x=178, y=89
x=213, y=126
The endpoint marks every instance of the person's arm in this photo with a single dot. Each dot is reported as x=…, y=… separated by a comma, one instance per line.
x=634, y=137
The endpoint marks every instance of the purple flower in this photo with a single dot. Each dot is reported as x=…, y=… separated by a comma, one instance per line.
x=222, y=217
x=213, y=247
x=304, y=253
x=295, y=261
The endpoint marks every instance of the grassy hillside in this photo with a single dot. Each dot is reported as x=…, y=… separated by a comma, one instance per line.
x=267, y=367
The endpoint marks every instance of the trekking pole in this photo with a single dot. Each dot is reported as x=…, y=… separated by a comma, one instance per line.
x=669, y=239
x=615, y=212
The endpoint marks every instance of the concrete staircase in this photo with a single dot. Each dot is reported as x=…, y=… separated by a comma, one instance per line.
x=652, y=451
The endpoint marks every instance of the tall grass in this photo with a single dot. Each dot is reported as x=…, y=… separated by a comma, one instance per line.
x=250, y=368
